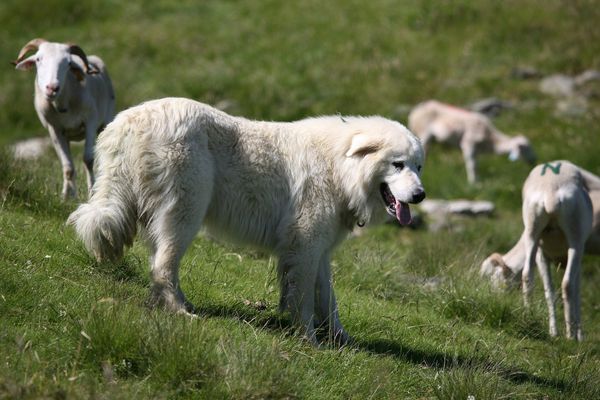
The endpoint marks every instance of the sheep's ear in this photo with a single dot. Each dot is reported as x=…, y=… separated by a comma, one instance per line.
x=26, y=64
x=362, y=145
x=77, y=71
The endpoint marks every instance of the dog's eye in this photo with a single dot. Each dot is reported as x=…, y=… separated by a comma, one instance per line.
x=419, y=168
x=398, y=165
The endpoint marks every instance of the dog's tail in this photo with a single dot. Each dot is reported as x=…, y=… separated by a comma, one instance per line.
x=108, y=221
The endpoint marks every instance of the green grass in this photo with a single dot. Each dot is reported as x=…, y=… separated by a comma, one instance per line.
x=426, y=326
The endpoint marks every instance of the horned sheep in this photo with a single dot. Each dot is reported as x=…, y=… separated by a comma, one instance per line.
x=74, y=100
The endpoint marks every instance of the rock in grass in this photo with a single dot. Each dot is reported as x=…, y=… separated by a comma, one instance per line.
x=558, y=85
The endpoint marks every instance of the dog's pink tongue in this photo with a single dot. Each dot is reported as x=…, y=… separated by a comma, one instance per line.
x=403, y=213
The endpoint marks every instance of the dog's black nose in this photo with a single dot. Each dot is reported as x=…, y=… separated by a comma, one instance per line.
x=418, y=196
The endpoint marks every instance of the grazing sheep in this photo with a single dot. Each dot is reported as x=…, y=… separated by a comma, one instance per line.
x=472, y=131
x=561, y=214
x=74, y=99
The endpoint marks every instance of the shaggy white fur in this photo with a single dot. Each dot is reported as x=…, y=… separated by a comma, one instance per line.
x=296, y=188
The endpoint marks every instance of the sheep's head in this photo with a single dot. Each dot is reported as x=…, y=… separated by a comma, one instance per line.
x=53, y=61
x=521, y=150
x=501, y=276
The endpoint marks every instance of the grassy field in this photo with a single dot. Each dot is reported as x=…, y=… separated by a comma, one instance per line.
x=426, y=325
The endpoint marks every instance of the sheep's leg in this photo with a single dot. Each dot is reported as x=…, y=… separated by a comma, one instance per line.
x=548, y=292
x=426, y=140
x=63, y=151
x=468, y=152
x=570, y=292
x=577, y=225
x=535, y=221
x=88, y=155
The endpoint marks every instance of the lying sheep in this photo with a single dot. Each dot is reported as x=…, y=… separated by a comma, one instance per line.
x=74, y=100
x=472, y=131
x=561, y=214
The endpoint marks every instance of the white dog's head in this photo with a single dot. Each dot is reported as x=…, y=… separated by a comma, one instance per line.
x=390, y=163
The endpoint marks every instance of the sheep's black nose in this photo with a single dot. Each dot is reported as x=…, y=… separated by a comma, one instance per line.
x=418, y=196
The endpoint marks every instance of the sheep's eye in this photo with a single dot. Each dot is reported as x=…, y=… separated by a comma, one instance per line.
x=37, y=59
x=398, y=165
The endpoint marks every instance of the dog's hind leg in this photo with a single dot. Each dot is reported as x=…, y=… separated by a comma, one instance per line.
x=171, y=228
x=326, y=304
x=170, y=234
x=166, y=290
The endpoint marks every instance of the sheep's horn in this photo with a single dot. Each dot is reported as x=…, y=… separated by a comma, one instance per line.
x=78, y=51
x=32, y=45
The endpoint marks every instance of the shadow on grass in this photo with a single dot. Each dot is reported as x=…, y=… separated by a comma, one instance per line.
x=447, y=361
x=268, y=319
x=273, y=321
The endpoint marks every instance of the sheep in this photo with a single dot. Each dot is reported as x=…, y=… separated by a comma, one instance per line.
x=74, y=100
x=472, y=131
x=561, y=214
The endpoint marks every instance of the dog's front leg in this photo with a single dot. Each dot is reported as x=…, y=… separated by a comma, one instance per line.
x=298, y=274
x=326, y=304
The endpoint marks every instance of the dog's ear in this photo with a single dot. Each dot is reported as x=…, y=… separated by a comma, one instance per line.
x=362, y=145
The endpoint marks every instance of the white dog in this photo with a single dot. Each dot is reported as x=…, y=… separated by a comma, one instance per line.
x=472, y=131
x=561, y=214
x=295, y=188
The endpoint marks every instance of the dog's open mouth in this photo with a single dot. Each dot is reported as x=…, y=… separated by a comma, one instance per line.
x=396, y=208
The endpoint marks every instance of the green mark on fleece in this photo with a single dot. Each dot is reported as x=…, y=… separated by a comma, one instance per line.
x=555, y=168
